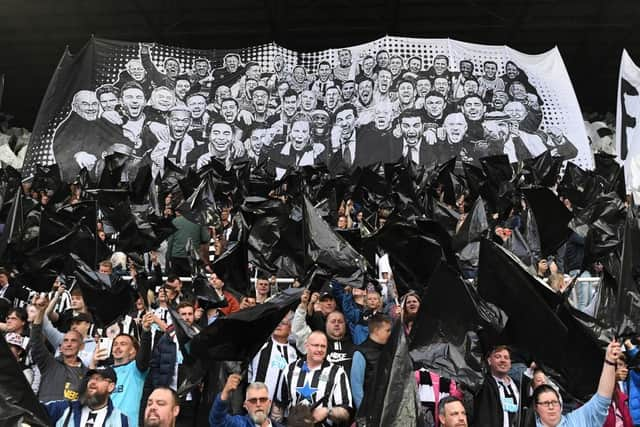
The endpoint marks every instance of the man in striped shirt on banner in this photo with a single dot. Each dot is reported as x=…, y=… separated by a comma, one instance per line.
x=273, y=357
x=315, y=382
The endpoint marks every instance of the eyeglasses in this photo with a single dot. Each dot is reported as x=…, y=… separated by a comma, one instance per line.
x=255, y=400
x=550, y=404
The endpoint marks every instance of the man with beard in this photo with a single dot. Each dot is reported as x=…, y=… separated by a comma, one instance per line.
x=171, y=67
x=299, y=150
x=496, y=132
x=332, y=99
x=280, y=122
x=230, y=73
x=172, y=142
x=94, y=408
x=258, y=144
x=321, y=129
x=365, y=103
x=230, y=114
x=423, y=87
x=411, y=145
x=466, y=73
x=135, y=72
x=82, y=138
x=489, y=82
x=221, y=146
x=162, y=100
x=133, y=101
x=279, y=76
x=257, y=403
x=473, y=109
x=347, y=150
x=162, y=408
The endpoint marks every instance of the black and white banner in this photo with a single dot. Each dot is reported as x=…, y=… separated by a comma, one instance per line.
x=424, y=100
x=627, y=126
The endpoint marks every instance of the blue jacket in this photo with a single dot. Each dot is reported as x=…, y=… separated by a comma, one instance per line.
x=58, y=413
x=352, y=313
x=633, y=388
x=163, y=362
x=219, y=416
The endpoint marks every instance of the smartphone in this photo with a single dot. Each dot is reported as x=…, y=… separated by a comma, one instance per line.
x=105, y=343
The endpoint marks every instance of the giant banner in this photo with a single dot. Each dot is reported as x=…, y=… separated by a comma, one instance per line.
x=422, y=100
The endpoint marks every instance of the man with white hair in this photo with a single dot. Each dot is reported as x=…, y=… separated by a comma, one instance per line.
x=257, y=403
x=82, y=138
x=135, y=72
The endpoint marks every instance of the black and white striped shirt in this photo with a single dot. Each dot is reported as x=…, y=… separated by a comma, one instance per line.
x=301, y=385
x=271, y=360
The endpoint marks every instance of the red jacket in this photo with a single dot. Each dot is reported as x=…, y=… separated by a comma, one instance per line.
x=233, y=306
x=621, y=401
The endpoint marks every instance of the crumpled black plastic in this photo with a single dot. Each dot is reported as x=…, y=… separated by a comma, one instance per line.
x=551, y=217
x=240, y=335
x=542, y=170
x=106, y=296
x=330, y=251
x=445, y=340
x=16, y=397
x=413, y=255
x=539, y=321
x=391, y=399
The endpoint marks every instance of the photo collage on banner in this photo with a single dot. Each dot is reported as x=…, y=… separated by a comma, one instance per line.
x=392, y=99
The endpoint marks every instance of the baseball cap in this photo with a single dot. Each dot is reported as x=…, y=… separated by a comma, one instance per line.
x=82, y=317
x=104, y=371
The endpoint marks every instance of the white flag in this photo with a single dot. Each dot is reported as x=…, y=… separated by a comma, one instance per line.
x=628, y=124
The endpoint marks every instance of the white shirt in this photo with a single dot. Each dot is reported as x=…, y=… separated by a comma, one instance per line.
x=507, y=387
x=415, y=152
x=101, y=415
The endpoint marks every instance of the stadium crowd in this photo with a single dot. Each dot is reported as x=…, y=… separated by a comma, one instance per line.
x=318, y=366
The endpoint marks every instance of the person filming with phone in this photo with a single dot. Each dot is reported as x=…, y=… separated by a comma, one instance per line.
x=131, y=365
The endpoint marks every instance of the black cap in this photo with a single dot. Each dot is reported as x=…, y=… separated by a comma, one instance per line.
x=104, y=371
x=82, y=317
x=325, y=296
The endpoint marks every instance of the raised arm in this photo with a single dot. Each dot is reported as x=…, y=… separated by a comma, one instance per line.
x=608, y=375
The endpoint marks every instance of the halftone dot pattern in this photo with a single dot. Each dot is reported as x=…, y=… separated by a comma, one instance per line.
x=114, y=56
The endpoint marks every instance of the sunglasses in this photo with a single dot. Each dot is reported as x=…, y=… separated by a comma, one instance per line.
x=255, y=400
